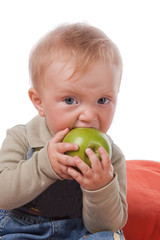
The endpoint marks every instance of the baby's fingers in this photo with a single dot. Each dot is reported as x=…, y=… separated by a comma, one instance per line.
x=84, y=169
x=106, y=162
x=58, y=137
x=82, y=175
x=95, y=162
x=65, y=147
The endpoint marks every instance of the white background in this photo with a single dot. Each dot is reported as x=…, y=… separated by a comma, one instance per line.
x=135, y=27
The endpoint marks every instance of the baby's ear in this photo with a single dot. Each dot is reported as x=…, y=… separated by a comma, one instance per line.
x=36, y=100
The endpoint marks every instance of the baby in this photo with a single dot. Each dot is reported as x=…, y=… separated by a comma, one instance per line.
x=76, y=73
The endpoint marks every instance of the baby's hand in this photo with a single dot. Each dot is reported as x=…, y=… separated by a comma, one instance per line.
x=60, y=161
x=96, y=177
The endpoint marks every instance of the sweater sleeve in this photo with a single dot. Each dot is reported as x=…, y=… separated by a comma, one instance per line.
x=17, y=184
x=106, y=208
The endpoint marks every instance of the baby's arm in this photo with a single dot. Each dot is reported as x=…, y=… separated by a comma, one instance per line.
x=22, y=180
x=104, y=208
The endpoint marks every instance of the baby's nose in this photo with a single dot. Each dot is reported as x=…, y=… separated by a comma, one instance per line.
x=88, y=114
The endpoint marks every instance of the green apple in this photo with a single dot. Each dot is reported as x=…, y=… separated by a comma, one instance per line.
x=87, y=138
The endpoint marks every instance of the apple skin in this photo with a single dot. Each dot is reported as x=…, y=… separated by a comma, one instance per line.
x=87, y=138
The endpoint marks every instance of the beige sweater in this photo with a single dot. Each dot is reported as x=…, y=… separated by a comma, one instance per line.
x=22, y=181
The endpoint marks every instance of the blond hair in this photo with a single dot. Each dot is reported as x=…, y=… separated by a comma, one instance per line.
x=79, y=41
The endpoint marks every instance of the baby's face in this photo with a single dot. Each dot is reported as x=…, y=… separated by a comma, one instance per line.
x=86, y=101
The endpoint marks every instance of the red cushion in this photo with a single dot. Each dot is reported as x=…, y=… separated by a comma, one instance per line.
x=143, y=197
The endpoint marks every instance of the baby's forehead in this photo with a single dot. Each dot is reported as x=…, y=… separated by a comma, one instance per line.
x=64, y=69
x=73, y=66
x=62, y=65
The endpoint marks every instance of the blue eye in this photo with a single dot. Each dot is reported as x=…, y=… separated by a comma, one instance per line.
x=70, y=101
x=103, y=100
